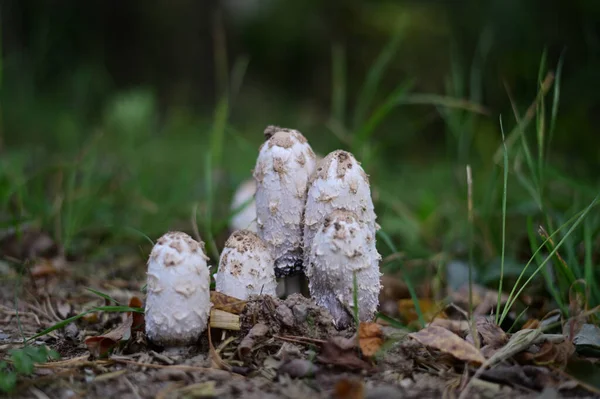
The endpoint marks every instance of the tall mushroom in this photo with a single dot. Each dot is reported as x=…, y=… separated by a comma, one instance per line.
x=339, y=182
x=245, y=267
x=342, y=247
x=284, y=165
x=178, y=296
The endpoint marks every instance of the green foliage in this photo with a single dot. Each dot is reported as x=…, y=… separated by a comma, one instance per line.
x=23, y=363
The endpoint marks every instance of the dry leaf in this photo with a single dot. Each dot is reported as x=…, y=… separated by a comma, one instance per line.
x=349, y=389
x=341, y=351
x=256, y=333
x=491, y=334
x=531, y=324
x=100, y=346
x=552, y=354
x=448, y=342
x=429, y=308
x=227, y=303
x=139, y=321
x=370, y=338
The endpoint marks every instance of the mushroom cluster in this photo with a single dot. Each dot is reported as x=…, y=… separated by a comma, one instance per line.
x=316, y=217
x=296, y=202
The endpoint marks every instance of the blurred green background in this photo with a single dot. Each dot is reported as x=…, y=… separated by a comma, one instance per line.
x=124, y=118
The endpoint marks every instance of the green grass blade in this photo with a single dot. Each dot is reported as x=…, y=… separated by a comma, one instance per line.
x=556, y=98
x=102, y=295
x=373, y=79
x=504, y=196
x=338, y=82
x=513, y=297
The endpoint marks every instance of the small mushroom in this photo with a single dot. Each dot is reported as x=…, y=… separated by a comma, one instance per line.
x=284, y=165
x=245, y=217
x=343, y=246
x=245, y=267
x=339, y=182
x=178, y=299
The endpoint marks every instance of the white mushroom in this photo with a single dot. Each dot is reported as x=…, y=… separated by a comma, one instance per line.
x=244, y=196
x=339, y=182
x=343, y=246
x=245, y=267
x=284, y=165
x=178, y=300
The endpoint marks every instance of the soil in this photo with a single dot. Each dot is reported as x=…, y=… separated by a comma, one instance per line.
x=292, y=350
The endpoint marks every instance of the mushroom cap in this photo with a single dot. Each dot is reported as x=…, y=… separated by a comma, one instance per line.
x=244, y=219
x=178, y=290
x=339, y=182
x=246, y=267
x=284, y=165
x=343, y=246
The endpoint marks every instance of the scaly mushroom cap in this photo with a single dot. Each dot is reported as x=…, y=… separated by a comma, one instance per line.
x=342, y=246
x=178, y=291
x=284, y=165
x=339, y=182
x=246, y=267
x=245, y=218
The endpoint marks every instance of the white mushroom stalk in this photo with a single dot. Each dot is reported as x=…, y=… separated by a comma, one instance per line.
x=246, y=267
x=284, y=165
x=178, y=296
x=339, y=182
x=245, y=218
x=342, y=247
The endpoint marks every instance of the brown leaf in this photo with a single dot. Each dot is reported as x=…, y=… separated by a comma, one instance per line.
x=349, y=389
x=458, y=327
x=339, y=351
x=429, y=308
x=227, y=303
x=552, y=354
x=491, y=333
x=370, y=338
x=531, y=324
x=256, y=333
x=139, y=321
x=101, y=345
x=446, y=341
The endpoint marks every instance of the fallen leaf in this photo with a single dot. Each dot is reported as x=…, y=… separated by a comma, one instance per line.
x=458, y=327
x=370, y=338
x=256, y=333
x=587, y=340
x=349, y=389
x=227, y=303
x=139, y=321
x=100, y=346
x=446, y=341
x=531, y=324
x=429, y=309
x=340, y=351
x=551, y=354
x=43, y=268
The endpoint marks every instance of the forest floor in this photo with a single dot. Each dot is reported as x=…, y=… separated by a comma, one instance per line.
x=283, y=348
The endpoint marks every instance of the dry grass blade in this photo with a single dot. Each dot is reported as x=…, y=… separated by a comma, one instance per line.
x=520, y=341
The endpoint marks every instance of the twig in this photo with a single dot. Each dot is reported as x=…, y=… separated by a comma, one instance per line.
x=300, y=340
x=181, y=367
x=132, y=387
